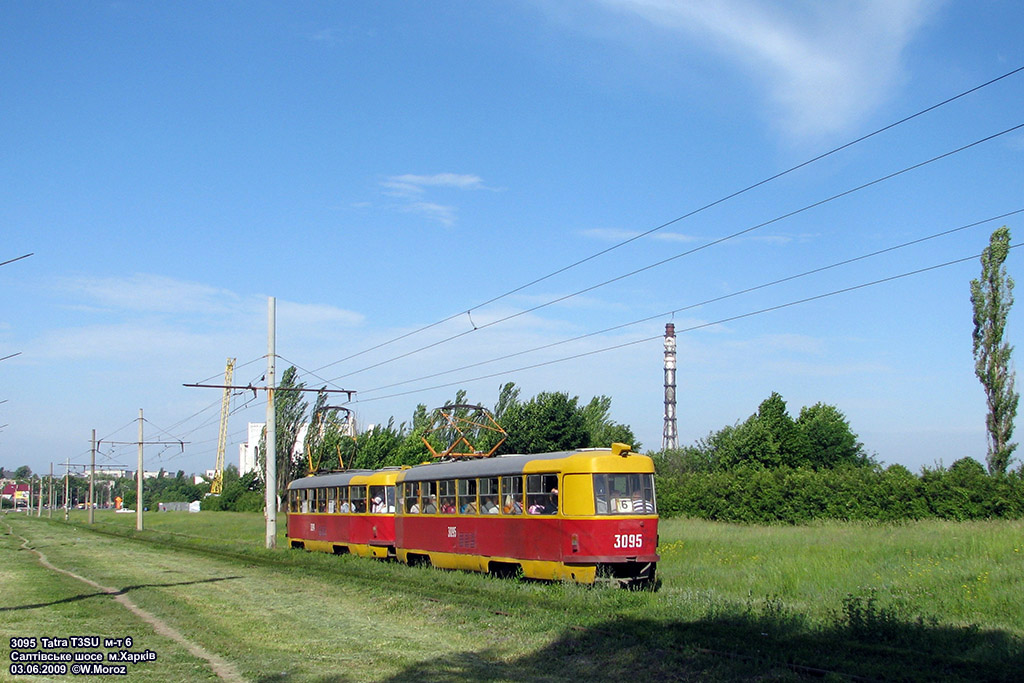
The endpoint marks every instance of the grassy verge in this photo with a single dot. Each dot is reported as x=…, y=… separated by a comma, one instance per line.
x=736, y=602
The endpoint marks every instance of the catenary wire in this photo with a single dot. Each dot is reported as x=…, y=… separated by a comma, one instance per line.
x=688, y=252
x=747, y=290
x=681, y=331
x=694, y=212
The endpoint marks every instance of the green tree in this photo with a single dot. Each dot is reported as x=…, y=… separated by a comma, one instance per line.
x=376, y=446
x=289, y=414
x=550, y=421
x=602, y=430
x=991, y=298
x=830, y=441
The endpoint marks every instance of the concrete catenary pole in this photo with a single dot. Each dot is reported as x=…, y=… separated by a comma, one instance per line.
x=92, y=477
x=67, y=489
x=138, y=484
x=271, y=446
x=669, y=436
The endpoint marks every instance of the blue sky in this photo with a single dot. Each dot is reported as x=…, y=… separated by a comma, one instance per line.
x=377, y=167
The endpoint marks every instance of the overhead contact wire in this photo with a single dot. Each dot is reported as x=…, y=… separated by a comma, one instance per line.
x=694, y=212
x=688, y=252
x=681, y=331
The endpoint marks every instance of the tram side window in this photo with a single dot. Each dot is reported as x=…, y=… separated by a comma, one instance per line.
x=467, y=496
x=542, y=494
x=321, y=500
x=293, y=501
x=489, y=500
x=389, y=496
x=512, y=495
x=378, y=501
x=446, y=500
x=429, y=492
x=332, y=502
x=343, y=504
x=357, y=495
x=412, y=497
x=617, y=494
x=305, y=500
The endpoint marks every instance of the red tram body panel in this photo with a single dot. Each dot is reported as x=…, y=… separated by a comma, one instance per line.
x=338, y=513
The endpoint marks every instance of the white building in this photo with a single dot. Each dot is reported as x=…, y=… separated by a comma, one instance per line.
x=248, y=451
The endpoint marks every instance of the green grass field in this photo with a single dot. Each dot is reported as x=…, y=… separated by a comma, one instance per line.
x=924, y=601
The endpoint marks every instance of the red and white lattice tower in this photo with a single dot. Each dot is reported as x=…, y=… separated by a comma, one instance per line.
x=670, y=436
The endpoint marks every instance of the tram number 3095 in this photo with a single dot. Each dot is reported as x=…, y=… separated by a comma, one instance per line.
x=629, y=541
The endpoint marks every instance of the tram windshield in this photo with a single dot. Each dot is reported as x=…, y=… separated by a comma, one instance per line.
x=624, y=494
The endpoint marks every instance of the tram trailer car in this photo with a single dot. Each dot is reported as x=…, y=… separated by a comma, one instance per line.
x=588, y=516
x=344, y=512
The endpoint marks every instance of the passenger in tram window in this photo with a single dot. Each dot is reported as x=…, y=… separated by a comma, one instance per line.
x=551, y=507
x=469, y=508
x=429, y=507
x=344, y=507
x=490, y=506
x=378, y=505
x=641, y=505
x=512, y=506
x=448, y=506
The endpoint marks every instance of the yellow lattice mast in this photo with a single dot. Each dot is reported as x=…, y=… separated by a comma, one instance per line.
x=222, y=441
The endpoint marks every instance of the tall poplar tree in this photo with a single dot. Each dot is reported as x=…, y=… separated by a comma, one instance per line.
x=992, y=297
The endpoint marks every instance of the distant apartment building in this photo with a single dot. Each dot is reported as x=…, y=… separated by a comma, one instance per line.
x=247, y=452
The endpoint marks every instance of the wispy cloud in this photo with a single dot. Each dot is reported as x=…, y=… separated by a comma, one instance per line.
x=410, y=184
x=413, y=190
x=445, y=215
x=616, y=235
x=154, y=315
x=825, y=65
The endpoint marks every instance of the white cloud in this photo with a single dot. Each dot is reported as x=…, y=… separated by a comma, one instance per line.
x=445, y=215
x=148, y=293
x=826, y=65
x=413, y=189
x=411, y=185
x=616, y=235
x=154, y=315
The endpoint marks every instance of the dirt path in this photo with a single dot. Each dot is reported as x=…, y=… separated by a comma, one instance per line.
x=220, y=666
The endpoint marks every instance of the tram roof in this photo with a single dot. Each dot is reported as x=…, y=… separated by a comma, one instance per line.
x=479, y=467
x=332, y=479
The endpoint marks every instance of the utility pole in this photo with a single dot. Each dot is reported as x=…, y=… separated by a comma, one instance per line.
x=67, y=488
x=139, y=477
x=49, y=508
x=92, y=477
x=271, y=448
x=270, y=474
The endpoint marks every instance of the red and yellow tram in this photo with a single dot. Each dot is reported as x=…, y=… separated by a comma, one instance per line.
x=587, y=515
x=344, y=512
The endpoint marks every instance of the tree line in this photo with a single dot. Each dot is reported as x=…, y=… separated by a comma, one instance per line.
x=772, y=468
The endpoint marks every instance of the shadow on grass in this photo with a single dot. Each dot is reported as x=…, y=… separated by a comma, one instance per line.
x=126, y=589
x=744, y=647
